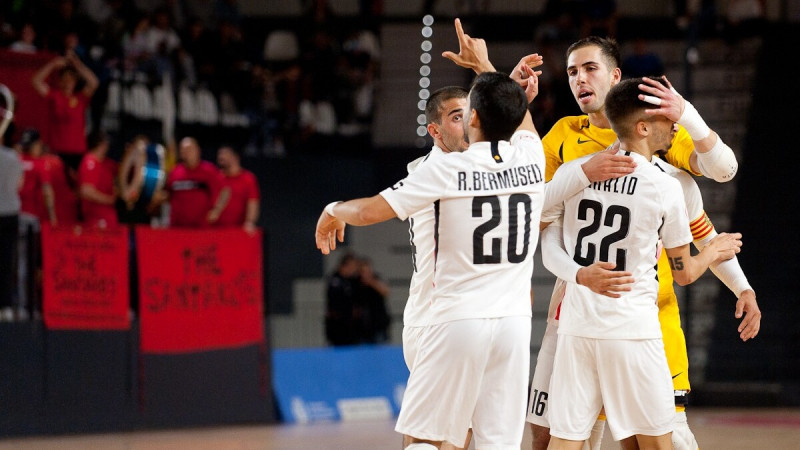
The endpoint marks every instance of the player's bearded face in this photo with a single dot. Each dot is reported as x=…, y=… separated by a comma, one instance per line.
x=665, y=139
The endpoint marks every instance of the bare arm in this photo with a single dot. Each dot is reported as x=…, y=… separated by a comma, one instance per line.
x=362, y=211
x=88, y=76
x=251, y=215
x=473, y=54
x=219, y=206
x=50, y=203
x=39, y=79
x=90, y=192
x=687, y=268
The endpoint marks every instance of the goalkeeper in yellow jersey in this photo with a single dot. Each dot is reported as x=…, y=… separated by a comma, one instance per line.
x=593, y=68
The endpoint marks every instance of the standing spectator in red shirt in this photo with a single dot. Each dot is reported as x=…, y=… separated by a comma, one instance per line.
x=67, y=106
x=240, y=189
x=96, y=177
x=63, y=181
x=36, y=194
x=192, y=188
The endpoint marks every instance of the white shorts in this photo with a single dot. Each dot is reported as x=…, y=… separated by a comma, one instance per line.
x=630, y=378
x=469, y=372
x=540, y=385
x=411, y=344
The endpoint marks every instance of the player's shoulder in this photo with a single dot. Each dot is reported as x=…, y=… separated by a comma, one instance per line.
x=433, y=153
x=570, y=123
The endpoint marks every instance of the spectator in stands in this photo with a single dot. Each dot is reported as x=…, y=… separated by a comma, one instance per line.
x=11, y=175
x=27, y=40
x=36, y=194
x=598, y=18
x=135, y=46
x=192, y=187
x=239, y=196
x=162, y=43
x=59, y=21
x=66, y=105
x=371, y=296
x=642, y=62
x=342, y=315
x=63, y=182
x=97, y=181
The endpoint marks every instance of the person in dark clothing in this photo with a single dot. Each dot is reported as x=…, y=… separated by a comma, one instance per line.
x=340, y=316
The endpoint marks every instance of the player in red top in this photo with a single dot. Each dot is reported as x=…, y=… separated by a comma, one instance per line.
x=66, y=133
x=192, y=188
x=240, y=189
x=96, y=177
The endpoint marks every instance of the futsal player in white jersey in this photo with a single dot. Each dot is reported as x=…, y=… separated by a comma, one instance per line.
x=444, y=112
x=474, y=358
x=609, y=351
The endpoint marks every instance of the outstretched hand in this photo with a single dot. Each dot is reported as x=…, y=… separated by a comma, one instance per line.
x=329, y=229
x=472, y=52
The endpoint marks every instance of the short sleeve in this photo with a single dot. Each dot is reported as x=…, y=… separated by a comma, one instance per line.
x=418, y=190
x=253, y=192
x=675, y=232
x=89, y=172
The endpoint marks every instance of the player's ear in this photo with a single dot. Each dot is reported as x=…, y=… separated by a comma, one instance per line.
x=642, y=128
x=474, y=120
x=433, y=130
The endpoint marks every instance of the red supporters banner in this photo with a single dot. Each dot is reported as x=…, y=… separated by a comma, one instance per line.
x=85, y=278
x=199, y=289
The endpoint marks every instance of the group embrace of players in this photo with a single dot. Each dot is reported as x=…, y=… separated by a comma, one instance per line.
x=618, y=211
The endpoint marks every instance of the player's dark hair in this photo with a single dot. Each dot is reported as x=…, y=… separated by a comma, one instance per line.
x=608, y=48
x=623, y=107
x=500, y=103
x=433, y=108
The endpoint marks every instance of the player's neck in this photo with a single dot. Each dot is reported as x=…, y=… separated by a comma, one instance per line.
x=637, y=147
x=599, y=120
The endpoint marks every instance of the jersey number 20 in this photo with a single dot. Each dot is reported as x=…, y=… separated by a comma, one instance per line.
x=597, y=218
x=494, y=257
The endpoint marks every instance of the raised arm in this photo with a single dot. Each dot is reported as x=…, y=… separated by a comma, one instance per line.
x=473, y=54
x=39, y=78
x=90, y=79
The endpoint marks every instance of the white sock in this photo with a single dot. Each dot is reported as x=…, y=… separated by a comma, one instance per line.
x=420, y=446
x=682, y=436
x=596, y=438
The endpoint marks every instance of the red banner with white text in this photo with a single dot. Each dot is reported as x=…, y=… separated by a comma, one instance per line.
x=199, y=289
x=85, y=278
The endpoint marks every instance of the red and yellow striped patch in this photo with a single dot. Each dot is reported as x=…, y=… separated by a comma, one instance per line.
x=701, y=226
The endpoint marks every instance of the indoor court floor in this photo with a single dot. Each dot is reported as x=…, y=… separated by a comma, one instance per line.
x=723, y=429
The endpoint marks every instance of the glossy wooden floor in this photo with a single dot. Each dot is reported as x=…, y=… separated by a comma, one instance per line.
x=728, y=429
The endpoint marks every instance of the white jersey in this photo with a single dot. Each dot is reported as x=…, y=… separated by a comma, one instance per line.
x=420, y=230
x=621, y=220
x=691, y=192
x=487, y=205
